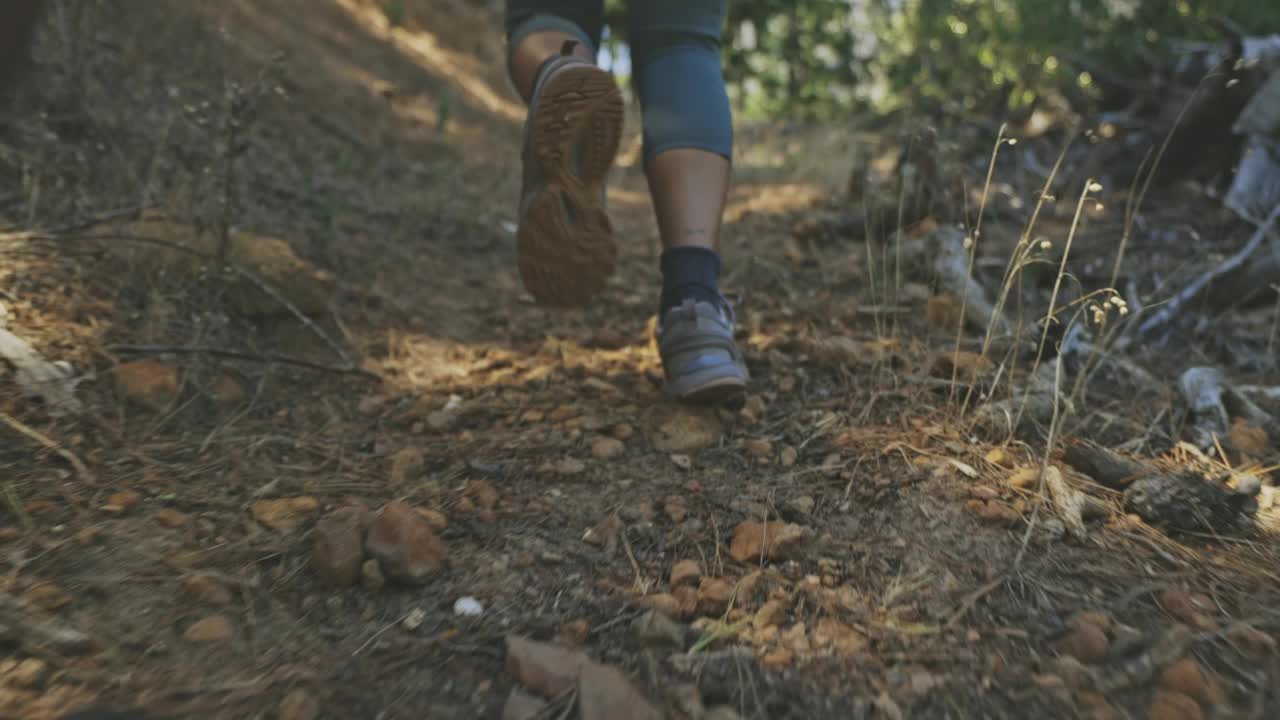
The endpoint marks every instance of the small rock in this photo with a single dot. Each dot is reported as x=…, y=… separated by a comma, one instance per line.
x=754, y=540
x=1024, y=478
x=995, y=512
x=522, y=706
x=570, y=466
x=752, y=410
x=414, y=619
x=1097, y=618
x=1000, y=457
x=1250, y=639
x=664, y=603
x=685, y=572
x=788, y=456
x=338, y=548
x=483, y=492
x=468, y=607
x=148, y=383
x=371, y=576
x=1097, y=707
x=546, y=669
x=656, y=629
x=1248, y=438
x=802, y=504
x=832, y=633
x=770, y=614
x=47, y=596
x=170, y=518
x=298, y=705
x=623, y=431
x=370, y=405
x=607, y=448
x=405, y=546
x=758, y=447
x=1174, y=706
x=406, y=465
x=1086, y=643
x=675, y=508
x=27, y=673
x=714, y=595
x=574, y=633
x=440, y=420
x=207, y=588
x=684, y=429
x=1185, y=677
x=121, y=502
x=688, y=598
x=1073, y=673
x=435, y=519
x=604, y=693
x=982, y=492
x=227, y=391
x=682, y=461
x=215, y=628
x=778, y=659
x=285, y=513
x=1189, y=609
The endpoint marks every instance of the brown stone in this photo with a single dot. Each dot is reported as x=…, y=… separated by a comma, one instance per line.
x=758, y=448
x=227, y=391
x=337, y=547
x=404, y=544
x=1185, y=677
x=770, y=614
x=574, y=633
x=47, y=596
x=121, y=502
x=777, y=659
x=406, y=465
x=665, y=603
x=215, y=628
x=170, y=518
x=754, y=540
x=285, y=513
x=683, y=429
x=436, y=519
x=832, y=633
x=1174, y=706
x=604, y=693
x=298, y=705
x=207, y=588
x=1086, y=643
x=483, y=492
x=1193, y=610
x=685, y=572
x=546, y=669
x=607, y=448
x=714, y=595
x=148, y=383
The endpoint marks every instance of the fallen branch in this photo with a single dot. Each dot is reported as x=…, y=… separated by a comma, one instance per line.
x=238, y=355
x=1171, y=309
x=49, y=443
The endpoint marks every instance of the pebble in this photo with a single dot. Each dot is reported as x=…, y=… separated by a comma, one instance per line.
x=777, y=659
x=607, y=448
x=656, y=629
x=414, y=619
x=570, y=466
x=714, y=595
x=623, y=431
x=1185, y=677
x=753, y=410
x=407, y=465
x=298, y=705
x=758, y=447
x=338, y=548
x=682, y=429
x=215, y=628
x=468, y=607
x=121, y=502
x=170, y=518
x=685, y=572
x=285, y=513
x=574, y=633
x=788, y=456
x=1174, y=706
x=1086, y=643
x=754, y=540
x=405, y=546
x=1189, y=609
x=148, y=383
x=47, y=596
x=206, y=588
x=771, y=613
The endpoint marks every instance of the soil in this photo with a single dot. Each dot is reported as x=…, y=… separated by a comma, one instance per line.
x=162, y=163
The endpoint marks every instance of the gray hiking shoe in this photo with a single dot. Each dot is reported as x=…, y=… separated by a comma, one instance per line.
x=564, y=241
x=701, y=361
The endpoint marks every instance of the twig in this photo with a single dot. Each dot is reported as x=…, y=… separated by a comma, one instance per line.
x=1166, y=313
x=238, y=355
x=293, y=310
x=49, y=443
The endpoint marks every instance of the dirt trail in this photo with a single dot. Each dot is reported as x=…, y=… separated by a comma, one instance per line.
x=216, y=552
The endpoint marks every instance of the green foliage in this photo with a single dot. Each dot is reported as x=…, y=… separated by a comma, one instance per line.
x=824, y=58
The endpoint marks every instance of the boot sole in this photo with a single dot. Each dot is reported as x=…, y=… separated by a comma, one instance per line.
x=564, y=243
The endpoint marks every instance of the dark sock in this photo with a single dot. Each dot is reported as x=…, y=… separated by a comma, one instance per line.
x=689, y=273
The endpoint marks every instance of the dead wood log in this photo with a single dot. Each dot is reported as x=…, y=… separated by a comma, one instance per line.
x=1105, y=467
x=1186, y=501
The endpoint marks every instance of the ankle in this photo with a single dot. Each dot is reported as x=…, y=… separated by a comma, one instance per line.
x=689, y=273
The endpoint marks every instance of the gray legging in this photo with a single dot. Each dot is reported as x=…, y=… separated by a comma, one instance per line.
x=675, y=56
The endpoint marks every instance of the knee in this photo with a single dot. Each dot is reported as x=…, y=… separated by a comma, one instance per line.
x=680, y=82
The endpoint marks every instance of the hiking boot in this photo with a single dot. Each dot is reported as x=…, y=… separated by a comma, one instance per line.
x=701, y=361
x=564, y=241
